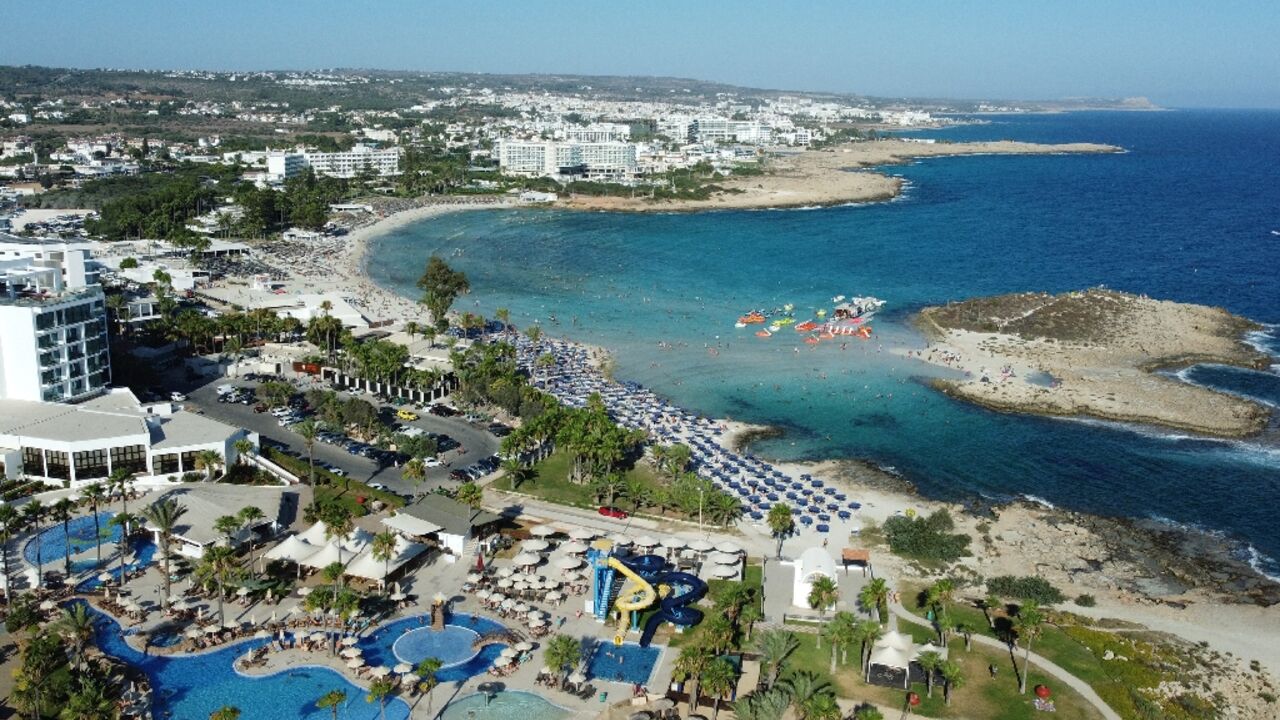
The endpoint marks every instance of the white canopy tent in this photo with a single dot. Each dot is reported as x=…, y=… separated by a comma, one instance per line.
x=293, y=549
x=367, y=566
x=326, y=556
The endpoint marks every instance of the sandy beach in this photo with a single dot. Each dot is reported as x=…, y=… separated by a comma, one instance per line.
x=1093, y=353
x=828, y=177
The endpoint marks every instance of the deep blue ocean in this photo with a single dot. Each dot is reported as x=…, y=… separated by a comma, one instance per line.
x=1186, y=214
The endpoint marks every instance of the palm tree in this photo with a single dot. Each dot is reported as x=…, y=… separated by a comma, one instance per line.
x=218, y=565
x=163, y=515
x=226, y=712
x=929, y=662
x=717, y=632
x=771, y=704
x=89, y=703
x=384, y=548
x=378, y=691
x=775, y=646
x=952, y=678
x=9, y=521
x=307, y=430
x=76, y=626
x=95, y=493
x=208, y=460
x=427, y=670
x=119, y=481
x=840, y=633
x=470, y=494
x=62, y=511
x=227, y=526
x=823, y=594
x=692, y=662
x=966, y=630
x=874, y=597
x=867, y=633
x=33, y=512
x=333, y=573
x=504, y=316
x=249, y=516
x=332, y=700
x=781, y=524
x=822, y=706
x=562, y=654
x=338, y=525
x=244, y=449
x=868, y=713
x=126, y=522
x=989, y=604
x=414, y=471
x=803, y=685
x=1028, y=624
x=718, y=680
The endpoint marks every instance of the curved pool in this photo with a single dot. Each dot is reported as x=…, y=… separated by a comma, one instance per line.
x=79, y=537
x=191, y=687
x=403, y=640
x=506, y=705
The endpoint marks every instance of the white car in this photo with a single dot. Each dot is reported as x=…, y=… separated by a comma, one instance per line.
x=177, y=397
x=432, y=462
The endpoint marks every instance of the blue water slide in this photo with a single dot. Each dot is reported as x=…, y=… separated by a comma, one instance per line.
x=646, y=566
x=675, y=608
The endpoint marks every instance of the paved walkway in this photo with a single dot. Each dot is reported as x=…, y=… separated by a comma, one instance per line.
x=1041, y=662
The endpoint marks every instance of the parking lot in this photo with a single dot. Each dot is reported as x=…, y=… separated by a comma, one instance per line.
x=475, y=442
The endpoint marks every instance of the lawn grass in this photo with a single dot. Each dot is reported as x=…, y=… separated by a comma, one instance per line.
x=979, y=697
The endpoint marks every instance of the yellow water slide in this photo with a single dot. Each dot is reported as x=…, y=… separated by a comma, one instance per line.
x=637, y=594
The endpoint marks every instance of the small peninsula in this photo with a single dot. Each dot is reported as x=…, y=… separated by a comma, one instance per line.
x=833, y=176
x=1093, y=353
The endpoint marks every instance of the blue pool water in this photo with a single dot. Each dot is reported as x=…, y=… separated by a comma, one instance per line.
x=79, y=537
x=627, y=663
x=507, y=705
x=380, y=646
x=144, y=548
x=192, y=687
x=1186, y=214
x=451, y=645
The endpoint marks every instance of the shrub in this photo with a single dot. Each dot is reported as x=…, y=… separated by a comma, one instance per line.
x=1025, y=588
x=1086, y=600
x=926, y=538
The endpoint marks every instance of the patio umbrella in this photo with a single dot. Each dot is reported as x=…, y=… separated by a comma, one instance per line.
x=724, y=571
x=349, y=641
x=577, y=677
x=505, y=583
x=351, y=652
x=262, y=634
x=536, y=545
x=645, y=541
x=231, y=624
x=381, y=671
x=542, y=531
x=620, y=539
x=508, y=604
x=581, y=533
x=700, y=545
x=356, y=662
x=723, y=558
x=242, y=592
x=575, y=548
x=537, y=622
x=497, y=597
x=211, y=629
x=524, y=646
x=532, y=612
x=527, y=559
x=520, y=608
x=318, y=636
x=402, y=668
x=554, y=595
x=474, y=577
x=509, y=652
x=672, y=542
x=568, y=563
x=409, y=679
x=505, y=571
x=519, y=585
x=104, y=577
x=193, y=632
x=48, y=605
x=728, y=547
x=483, y=594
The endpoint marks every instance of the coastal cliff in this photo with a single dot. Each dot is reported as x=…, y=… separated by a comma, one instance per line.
x=834, y=176
x=1094, y=353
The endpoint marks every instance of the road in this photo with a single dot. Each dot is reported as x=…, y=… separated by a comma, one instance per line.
x=476, y=442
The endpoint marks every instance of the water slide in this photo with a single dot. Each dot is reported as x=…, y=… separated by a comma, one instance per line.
x=636, y=595
x=674, y=606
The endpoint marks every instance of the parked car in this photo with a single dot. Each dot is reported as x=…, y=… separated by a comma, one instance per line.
x=613, y=512
x=177, y=397
x=406, y=415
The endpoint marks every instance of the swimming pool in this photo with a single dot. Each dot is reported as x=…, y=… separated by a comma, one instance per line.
x=79, y=537
x=380, y=647
x=190, y=687
x=628, y=663
x=506, y=705
x=144, y=548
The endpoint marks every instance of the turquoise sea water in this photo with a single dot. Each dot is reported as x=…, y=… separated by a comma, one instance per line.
x=1185, y=214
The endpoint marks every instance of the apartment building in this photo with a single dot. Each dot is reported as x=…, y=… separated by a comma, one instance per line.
x=352, y=162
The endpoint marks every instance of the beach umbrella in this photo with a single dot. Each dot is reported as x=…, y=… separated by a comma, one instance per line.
x=537, y=622
x=508, y=603
x=497, y=597
x=527, y=559
x=48, y=605
x=524, y=646
x=535, y=545
x=542, y=531
x=318, y=636
x=509, y=652
x=672, y=542
x=402, y=668
x=351, y=652
x=409, y=679
x=242, y=592
x=520, y=607
x=581, y=533
x=381, y=671
x=723, y=571
x=355, y=662
x=505, y=583
x=575, y=548
x=577, y=678
x=211, y=629
x=620, y=539
x=262, y=634
x=520, y=585
x=723, y=559
x=701, y=545
x=349, y=641
x=474, y=577
x=483, y=594
x=231, y=624
x=728, y=547
x=645, y=541
x=505, y=571
x=193, y=632
x=104, y=577
x=553, y=596
x=568, y=563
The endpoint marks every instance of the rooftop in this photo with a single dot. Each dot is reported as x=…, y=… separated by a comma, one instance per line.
x=206, y=503
x=452, y=516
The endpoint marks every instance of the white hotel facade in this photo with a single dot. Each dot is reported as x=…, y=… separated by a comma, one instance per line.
x=604, y=161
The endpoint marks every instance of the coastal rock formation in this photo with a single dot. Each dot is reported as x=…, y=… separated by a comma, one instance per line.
x=828, y=177
x=1094, y=353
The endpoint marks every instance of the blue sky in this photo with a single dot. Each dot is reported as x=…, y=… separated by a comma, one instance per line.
x=1224, y=53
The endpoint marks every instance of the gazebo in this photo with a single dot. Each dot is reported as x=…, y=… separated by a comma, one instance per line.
x=812, y=564
x=890, y=662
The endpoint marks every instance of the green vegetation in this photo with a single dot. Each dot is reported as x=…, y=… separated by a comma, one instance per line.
x=440, y=286
x=1034, y=589
x=927, y=539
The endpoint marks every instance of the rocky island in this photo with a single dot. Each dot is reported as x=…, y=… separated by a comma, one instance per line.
x=1094, y=353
